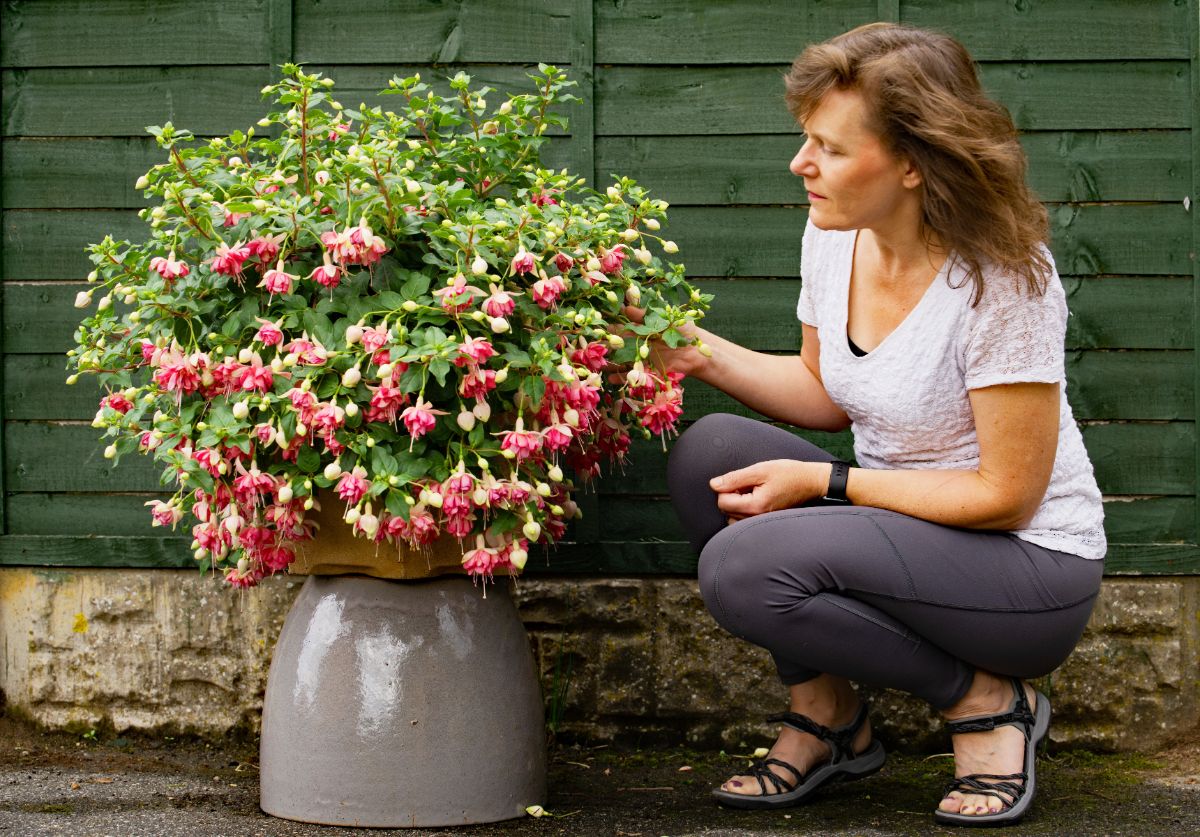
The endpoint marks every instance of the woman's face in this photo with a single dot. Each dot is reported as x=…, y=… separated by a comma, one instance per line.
x=853, y=181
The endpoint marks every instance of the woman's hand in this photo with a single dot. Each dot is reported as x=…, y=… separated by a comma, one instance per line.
x=769, y=486
x=686, y=359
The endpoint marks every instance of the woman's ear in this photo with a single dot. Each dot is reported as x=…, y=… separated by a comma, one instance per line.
x=911, y=175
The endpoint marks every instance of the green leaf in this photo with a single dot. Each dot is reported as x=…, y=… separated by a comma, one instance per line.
x=535, y=389
x=308, y=460
x=383, y=463
x=440, y=367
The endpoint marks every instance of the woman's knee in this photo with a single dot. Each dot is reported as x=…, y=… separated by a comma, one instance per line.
x=702, y=451
x=735, y=577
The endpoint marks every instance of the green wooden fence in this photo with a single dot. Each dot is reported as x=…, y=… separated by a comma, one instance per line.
x=685, y=96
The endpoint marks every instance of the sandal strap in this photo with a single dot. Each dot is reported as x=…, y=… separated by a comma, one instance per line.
x=761, y=770
x=840, y=739
x=1019, y=714
x=1003, y=787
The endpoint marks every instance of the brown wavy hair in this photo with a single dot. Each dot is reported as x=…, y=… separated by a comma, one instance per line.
x=925, y=102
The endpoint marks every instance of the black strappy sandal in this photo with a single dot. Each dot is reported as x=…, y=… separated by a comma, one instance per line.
x=843, y=764
x=1015, y=790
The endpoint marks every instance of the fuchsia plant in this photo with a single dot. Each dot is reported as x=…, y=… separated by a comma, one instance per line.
x=402, y=308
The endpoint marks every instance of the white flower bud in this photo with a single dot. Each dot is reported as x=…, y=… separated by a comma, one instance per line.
x=532, y=530
x=240, y=410
x=555, y=473
x=284, y=494
x=482, y=411
x=502, y=375
x=83, y=299
x=517, y=557
x=670, y=247
x=244, y=356
x=614, y=194
x=479, y=497
x=142, y=182
x=704, y=349
x=410, y=305
x=384, y=371
x=353, y=334
x=351, y=377
x=642, y=255
x=651, y=223
x=499, y=325
x=466, y=420
x=332, y=471
x=629, y=234
x=633, y=295
x=479, y=266
x=110, y=452
x=277, y=364
x=352, y=516
x=351, y=410
x=505, y=108
x=543, y=489
x=644, y=351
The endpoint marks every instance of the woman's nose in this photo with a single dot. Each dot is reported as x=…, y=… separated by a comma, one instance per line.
x=801, y=164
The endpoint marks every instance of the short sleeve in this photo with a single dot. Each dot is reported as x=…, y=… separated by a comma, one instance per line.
x=806, y=308
x=1016, y=336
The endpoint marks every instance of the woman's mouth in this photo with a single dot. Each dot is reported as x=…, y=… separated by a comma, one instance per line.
x=813, y=196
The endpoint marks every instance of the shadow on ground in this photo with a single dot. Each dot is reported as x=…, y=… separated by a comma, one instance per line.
x=54, y=783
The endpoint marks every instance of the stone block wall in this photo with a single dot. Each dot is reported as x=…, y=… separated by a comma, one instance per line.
x=635, y=661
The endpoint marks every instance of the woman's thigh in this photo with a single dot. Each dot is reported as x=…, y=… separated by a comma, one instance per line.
x=985, y=597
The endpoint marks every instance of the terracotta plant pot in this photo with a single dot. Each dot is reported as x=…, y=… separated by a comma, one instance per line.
x=401, y=704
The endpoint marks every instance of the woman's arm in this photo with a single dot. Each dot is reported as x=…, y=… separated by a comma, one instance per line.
x=1017, y=427
x=785, y=388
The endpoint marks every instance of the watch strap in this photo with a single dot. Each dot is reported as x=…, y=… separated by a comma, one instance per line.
x=836, y=493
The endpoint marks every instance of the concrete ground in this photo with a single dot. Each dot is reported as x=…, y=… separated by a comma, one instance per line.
x=160, y=787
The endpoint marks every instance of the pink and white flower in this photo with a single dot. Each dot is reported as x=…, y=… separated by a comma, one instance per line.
x=230, y=259
x=523, y=262
x=420, y=418
x=170, y=268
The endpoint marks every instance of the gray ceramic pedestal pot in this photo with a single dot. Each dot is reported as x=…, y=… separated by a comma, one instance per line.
x=402, y=704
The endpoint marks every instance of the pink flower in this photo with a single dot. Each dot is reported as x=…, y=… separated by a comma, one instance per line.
x=339, y=129
x=164, y=514
x=610, y=261
x=327, y=275
x=353, y=485
x=229, y=259
x=269, y=333
x=499, y=304
x=420, y=418
x=276, y=558
x=476, y=349
x=117, y=401
x=304, y=402
x=277, y=281
x=563, y=262
x=386, y=402
x=232, y=219
x=543, y=197
x=254, y=377
x=457, y=295
x=523, y=262
x=481, y=561
x=545, y=292
x=375, y=338
x=266, y=247
x=592, y=355
x=307, y=351
x=235, y=577
x=477, y=383
x=251, y=484
x=523, y=443
x=169, y=268
x=209, y=459
x=557, y=436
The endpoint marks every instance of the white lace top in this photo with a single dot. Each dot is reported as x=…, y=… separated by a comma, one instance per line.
x=907, y=398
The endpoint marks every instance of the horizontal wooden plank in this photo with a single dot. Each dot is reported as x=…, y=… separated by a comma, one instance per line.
x=1132, y=385
x=752, y=169
x=1143, y=458
x=70, y=457
x=86, y=173
x=1106, y=313
x=749, y=31
x=1152, y=559
x=84, y=514
x=640, y=101
x=729, y=32
x=85, y=33
x=122, y=101
x=416, y=31
x=1101, y=29
x=1150, y=312
x=1149, y=239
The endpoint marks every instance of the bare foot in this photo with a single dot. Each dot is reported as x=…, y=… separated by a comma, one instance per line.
x=1000, y=751
x=832, y=704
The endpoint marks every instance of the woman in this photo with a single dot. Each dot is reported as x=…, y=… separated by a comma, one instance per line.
x=964, y=553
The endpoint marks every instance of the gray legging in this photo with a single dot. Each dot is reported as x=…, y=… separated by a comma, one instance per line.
x=868, y=594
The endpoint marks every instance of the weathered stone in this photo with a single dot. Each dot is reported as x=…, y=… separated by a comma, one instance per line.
x=628, y=660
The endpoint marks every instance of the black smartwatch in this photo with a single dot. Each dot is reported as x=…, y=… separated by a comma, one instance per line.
x=836, y=493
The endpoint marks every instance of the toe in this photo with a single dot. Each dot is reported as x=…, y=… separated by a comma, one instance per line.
x=952, y=803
